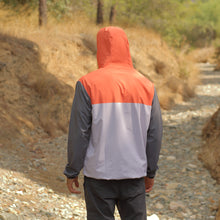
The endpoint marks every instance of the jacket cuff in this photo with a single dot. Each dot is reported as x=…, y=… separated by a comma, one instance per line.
x=151, y=174
x=69, y=173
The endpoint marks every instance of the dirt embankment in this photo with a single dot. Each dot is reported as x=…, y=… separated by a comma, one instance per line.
x=33, y=101
x=210, y=152
x=35, y=79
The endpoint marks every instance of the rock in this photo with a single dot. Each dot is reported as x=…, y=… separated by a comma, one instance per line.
x=153, y=217
x=159, y=206
x=203, y=182
x=19, y=192
x=37, y=163
x=10, y=216
x=50, y=191
x=171, y=158
x=171, y=186
x=174, y=205
x=193, y=166
x=61, y=178
x=2, y=65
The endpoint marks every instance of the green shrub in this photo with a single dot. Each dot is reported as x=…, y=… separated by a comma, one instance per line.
x=184, y=21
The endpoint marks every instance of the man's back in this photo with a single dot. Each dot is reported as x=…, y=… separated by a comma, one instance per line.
x=115, y=133
x=121, y=101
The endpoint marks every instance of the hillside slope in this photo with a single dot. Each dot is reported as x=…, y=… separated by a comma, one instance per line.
x=31, y=98
x=39, y=69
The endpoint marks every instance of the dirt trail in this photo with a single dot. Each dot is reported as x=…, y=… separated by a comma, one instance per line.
x=32, y=185
x=184, y=188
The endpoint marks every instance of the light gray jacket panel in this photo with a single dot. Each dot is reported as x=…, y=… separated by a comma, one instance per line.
x=154, y=137
x=79, y=131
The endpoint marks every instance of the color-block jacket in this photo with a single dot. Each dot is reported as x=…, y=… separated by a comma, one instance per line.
x=115, y=127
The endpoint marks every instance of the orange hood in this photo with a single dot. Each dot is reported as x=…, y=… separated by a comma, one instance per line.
x=113, y=47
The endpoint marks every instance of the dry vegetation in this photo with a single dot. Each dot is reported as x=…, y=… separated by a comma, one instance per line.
x=174, y=75
x=202, y=55
x=39, y=69
x=217, y=58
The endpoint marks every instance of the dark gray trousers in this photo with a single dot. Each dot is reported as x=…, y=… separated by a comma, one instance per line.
x=102, y=196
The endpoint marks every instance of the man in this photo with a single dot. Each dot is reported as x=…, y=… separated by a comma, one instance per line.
x=115, y=133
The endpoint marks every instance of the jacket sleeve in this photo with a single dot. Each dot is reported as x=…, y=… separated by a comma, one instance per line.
x=79, y=131
x=154, y=137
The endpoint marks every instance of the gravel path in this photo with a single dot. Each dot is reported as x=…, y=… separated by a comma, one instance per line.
x=34, y=188
x=184, y=189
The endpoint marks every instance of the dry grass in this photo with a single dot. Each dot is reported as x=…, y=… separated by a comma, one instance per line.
x=28, y=89
x=202, y=55
x=40, y=66
x=174, y=74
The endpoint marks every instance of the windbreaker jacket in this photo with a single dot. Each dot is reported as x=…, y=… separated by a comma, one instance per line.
x=115, y=127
